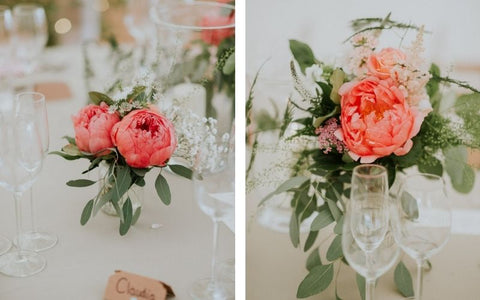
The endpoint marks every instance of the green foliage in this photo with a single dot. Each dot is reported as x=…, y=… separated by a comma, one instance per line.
x=181, y=171
x=403, y=280
x=302, y=53
x=86, y=213
x=335, y=252
x=163, y=190
x=361, y=285
x=461, y=174
x=468, y=108
x=317, y=280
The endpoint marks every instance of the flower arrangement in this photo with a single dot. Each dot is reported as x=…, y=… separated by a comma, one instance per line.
x=131, y=134
x=383, y=106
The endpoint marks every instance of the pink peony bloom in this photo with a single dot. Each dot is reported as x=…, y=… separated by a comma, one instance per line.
x=381, y=64
x=144, y=138
x=376, y=120
x=216, y=36
x=92, y=125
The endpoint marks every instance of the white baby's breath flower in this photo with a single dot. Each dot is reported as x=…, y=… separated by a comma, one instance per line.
x=314, y=73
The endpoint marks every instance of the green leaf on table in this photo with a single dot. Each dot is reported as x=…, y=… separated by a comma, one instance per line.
x=409, y=205
x=323, y=219
x=98, y=98
x=80, y=183
x=338, y=229
x=127, y=217
x=86, y=213
x=287, y=185
x=163, y=190
x=313, y=259
x=317, y=280
x=294, y=230
x=312, y=236
x=461, y=174
x=136, y=215
x=335, y=251
x=302, y=53
x=361, y=285
x=403, y=280
x=181, y=170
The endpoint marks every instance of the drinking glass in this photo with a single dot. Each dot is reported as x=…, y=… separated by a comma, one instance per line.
x=214, y=190
x=190, y=36
x=421, y=219
x=34, y=104
x=138, y=23
x=20, y=162
x=30, y=34
x=368, y=217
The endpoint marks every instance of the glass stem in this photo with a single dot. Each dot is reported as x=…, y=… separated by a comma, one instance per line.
x=32, y=211
x=420, y=264
x=18, y=213
x=369, y=289
x=214, y=252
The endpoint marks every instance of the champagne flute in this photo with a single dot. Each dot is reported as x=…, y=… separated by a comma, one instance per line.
x=214, y=190
x=20, y=162
x=5, y=32
x=369, y=216
x=34, y=104
x=421, y=219
x=30, y=34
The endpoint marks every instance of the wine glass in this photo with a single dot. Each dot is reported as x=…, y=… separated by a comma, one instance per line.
x=214, y=190
x=421, y=219
x=30, y=34
x=20, y=162
x=34, y=104
x=368, y=216
x=5, y=37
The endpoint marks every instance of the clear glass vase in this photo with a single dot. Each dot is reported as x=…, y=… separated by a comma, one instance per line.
x=135, y=193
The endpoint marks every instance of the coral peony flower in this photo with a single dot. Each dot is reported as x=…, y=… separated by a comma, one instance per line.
x=216, y=36
x=92, y=125
x=381, y=64
x=144, y=138
x=376, y=120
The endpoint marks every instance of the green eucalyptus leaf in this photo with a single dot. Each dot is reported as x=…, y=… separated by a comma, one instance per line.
x=65, y=156
x=70, y=139
x=72, y=150
x=313, y=259
x=302, y=53
x=461, y=174
x=403, y=280
x=181, y=170
x=98, y=98
x=335, y=251
x=287, y=185
x=339, y=226
x=361, y=285
x=334, y=210
x=136, y=215
x=102, y=199
x=140, y=172
x=127, y=217
x=86, y=213
x=317, y=280
x=409, y=205
x=336, y=80
x=431, y=166
x=294, y=230
x=312, y=236
x=80, y=183
x=122, y=183
x=323, y=219
x=163, y=190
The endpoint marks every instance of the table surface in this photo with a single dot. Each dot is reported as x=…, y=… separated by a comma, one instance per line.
x=78, y=267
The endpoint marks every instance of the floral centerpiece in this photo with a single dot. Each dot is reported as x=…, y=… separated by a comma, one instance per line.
x=382, y=106
x=130, y=134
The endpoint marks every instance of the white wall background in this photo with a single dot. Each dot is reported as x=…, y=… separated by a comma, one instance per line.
x=455, y=27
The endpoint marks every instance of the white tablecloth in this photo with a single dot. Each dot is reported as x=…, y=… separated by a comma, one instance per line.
x=177, y=253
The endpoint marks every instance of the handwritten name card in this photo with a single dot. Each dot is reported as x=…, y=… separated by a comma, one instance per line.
x=128, y=286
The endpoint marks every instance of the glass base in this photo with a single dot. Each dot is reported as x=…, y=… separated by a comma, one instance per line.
x=5, y=245
x=204, y=289
x=21, y=264
x=38, y=241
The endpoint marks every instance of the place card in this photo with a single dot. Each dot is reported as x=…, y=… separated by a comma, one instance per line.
x=128, y=286
x=53, y=90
